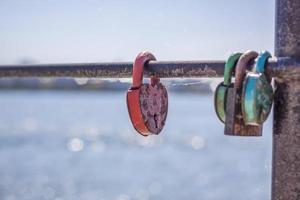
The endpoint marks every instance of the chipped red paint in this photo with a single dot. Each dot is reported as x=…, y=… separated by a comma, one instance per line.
x=147, y=103
x=154, y=106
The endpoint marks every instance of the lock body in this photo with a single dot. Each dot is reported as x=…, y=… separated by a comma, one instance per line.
x=257, y=96
x=234, y=123
x=221, y=95
x=258, y=99
x=148, y=108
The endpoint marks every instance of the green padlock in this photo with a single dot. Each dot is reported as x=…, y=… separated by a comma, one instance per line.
x=257, y=96
x=222, y=88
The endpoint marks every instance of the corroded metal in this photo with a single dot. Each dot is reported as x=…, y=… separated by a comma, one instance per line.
x=257, y=96
x=287, y=37
x=154, y=106
x=164, y=69
x=147, y=103
x=286, y=126
x=226, y=85
x=234, y=123
x=116, y=70
x=286, y=141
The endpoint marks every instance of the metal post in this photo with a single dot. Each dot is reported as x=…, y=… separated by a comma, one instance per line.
x=286, y=127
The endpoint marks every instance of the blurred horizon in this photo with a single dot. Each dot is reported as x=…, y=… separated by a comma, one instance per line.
x=202, y=86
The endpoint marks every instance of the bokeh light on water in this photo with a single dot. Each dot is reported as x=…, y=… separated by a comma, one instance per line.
x=75, y=144
x=81, y=146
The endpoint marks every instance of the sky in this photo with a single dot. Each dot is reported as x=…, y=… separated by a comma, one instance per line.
x=60, y=31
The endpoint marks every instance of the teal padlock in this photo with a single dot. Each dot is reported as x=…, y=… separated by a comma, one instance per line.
x=257, y=95
x=223, y=87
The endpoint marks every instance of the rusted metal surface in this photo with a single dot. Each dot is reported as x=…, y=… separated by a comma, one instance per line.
x=115, y=70
x=286, y=142
x=225, y=86
x=286, y=127
x=164, y=69
x=287, y=37
x=154, y=106
x=285, y=68
x=257, y=95
x=147, y=102
x=234, y=123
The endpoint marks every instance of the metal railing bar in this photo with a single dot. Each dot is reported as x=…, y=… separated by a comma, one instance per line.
x=165, y=69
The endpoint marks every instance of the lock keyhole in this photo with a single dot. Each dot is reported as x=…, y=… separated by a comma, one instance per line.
x=155, y=120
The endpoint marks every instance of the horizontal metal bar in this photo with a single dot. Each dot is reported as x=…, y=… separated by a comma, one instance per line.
x=164, y=69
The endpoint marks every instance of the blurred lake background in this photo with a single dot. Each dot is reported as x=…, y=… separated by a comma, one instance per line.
x=79, y=144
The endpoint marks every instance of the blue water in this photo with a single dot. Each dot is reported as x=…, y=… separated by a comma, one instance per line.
x=81, y=146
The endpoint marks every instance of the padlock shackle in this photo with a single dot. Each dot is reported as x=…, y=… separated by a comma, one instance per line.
x=229, y=66
x=241, y=67
x=138, y=67
x=260, y=64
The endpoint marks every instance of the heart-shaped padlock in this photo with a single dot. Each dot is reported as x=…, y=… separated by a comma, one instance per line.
x=147, y=102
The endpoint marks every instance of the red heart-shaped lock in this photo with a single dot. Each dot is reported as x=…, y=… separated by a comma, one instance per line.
x=147, y=102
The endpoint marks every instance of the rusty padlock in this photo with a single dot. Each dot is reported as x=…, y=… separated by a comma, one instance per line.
x=147, y=102
x=234, y=123
x=222, y=89
x=257, y=96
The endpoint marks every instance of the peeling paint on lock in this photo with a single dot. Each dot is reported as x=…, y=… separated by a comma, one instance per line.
x=257, y=97
x=222, y=88
x=234, y=123
x=147, y=102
